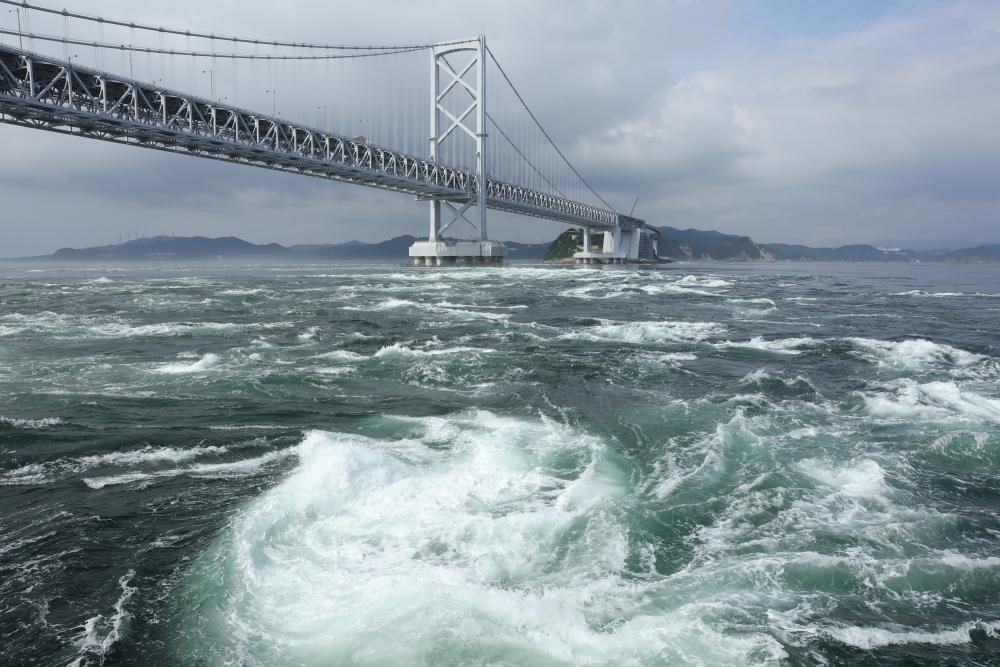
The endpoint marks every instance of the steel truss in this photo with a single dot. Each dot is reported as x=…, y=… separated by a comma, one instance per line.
x=44, y=93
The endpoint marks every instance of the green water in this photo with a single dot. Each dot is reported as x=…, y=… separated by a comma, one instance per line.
x=363, y=464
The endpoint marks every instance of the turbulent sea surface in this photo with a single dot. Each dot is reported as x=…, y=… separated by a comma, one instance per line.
x=362, y=464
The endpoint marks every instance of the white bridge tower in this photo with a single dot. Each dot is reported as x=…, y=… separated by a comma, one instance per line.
x=458, y=105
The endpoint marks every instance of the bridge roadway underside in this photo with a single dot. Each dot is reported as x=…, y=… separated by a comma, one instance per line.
x=42, y=93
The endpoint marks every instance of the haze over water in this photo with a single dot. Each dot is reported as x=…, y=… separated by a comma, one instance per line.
x=363, y=464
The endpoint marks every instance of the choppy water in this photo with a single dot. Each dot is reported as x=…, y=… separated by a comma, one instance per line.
x=358, y=464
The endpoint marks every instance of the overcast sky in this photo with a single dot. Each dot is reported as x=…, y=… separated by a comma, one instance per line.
x=806, y=122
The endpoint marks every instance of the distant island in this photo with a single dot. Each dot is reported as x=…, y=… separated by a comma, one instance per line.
x=675, y=244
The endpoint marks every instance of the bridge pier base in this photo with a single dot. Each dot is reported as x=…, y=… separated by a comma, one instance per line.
x=458, y=253
x=590, y=258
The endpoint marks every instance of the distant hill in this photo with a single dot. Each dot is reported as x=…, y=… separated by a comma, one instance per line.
x=980, y=253
x=174, y=247
x=194, y=248
x=394, y=248
x=867, y=253
x=697, y=244
x=847, y=253
x=564, y=246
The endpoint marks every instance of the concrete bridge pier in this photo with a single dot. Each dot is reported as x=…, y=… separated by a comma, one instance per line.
x=628, y=241
x=453, y=252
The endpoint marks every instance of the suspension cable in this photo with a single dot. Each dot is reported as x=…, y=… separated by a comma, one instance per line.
x=524, y=157
x=189, y=33
x=544, y=132
x=207, y=54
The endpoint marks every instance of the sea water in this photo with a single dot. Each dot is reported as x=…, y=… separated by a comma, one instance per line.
x=706, y=464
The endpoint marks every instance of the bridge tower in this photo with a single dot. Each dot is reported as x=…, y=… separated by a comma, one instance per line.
x=458, y=105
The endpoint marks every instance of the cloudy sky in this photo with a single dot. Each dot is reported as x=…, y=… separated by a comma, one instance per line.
x=802, y=121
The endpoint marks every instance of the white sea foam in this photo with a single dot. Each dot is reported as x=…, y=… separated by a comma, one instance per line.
x=922, y=293
x=915, y=353
x=42, y=320
x=28, y=475
x=45, y=473
x=703, y=281
x=673, y=358
x=125, y=330
x=240, y=468
x=778, y=346
x=863, y=479
x=43, y=422
x=100, y=632
x=755, y=377
x=963, y=562
x=646, y=333
x=869, y=638
x=309, y=334
x=66, y=325
x=242, y=292
x=206, y=362
x=448, y=304
x=342, y=355
x=466, y=313
x=762, y=379
x=674, y=288
x=505, y=529
x=619, y=289
x=591, y=292
x=335, y=370
x=908, y=399
x=149, y=455
x=768, y=543
x=436, y=308
x=398, y=350
x=760, y=301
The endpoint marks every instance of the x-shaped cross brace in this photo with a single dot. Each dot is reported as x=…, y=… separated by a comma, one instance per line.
x=458, y=213
x=457, y=78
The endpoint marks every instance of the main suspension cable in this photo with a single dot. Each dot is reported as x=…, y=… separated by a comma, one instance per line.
x=206, y=54
x=189, y=33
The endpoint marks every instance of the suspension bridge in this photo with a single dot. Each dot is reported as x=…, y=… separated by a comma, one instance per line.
x=459, y=142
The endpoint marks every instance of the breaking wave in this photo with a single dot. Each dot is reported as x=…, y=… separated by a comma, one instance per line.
x=400, y=351
x=915, y=354
x=645, y=333
x=907, y=399
x=239, y=468
x=206, y=362
x=441, y=308
x=873, y=638
x=43, y=422
x=101, y=632
x=509, y=529
x=778, y=346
